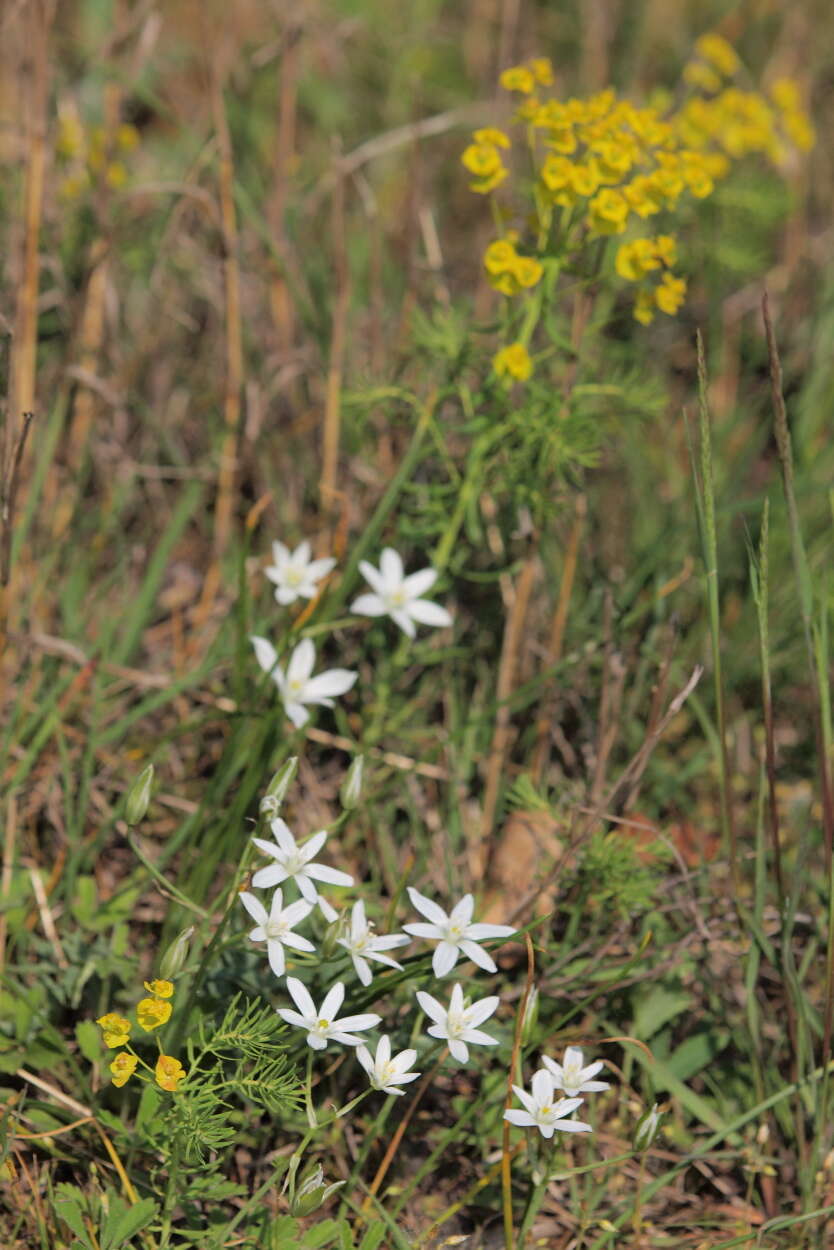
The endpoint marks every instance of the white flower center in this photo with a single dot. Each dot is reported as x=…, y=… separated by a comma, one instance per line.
x=276, y=929
x=396, y=598
x=360, y=942
x=454, y=932
x=293, y=863
x=456, y=1023
x=388, y=1071
x=322, y=1026
x=295, y=685
x=293, y=575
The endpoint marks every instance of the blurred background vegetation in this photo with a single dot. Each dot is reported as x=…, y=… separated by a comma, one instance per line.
x=229, y=230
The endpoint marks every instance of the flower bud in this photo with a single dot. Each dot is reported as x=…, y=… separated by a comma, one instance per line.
x=646, y=1129
x=277, y=789
x=174, y=958
x=530, y=1017
x=312, y=1193
x=139, y=796
x=351, y=791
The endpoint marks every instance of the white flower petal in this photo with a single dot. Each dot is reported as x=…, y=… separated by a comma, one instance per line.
x=478, y=956
x=428, y=613
x=482, y=1010
x=330, y=684
x=369, y=605
x=265, y=653
x=479, y=932
x=461, y=913
x=358, y=1023
x=391, y=567
x=264, y=878
x=458, y=1050
x=521, y=1118
x=306, y=887
x=298, y=943
x=478, y=1038
x=542, y=1087
x=333, y=876
x=373, y=577
x=428, y=908
x=401, y=617
x=297, y=713
x=292, y=1017
x=417, y=584
x=433, y=1009
x=300, y=995
x=444, y=959
x=572, y=1126
x=301, y=661
x=254, y=906
x=333, y=1000
x=431, y=932
x=275, y=954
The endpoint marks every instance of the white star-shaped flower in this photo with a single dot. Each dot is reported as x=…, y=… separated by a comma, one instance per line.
x=398, y=596
x=297, y=685
x=275, y=926
x=541, y=1111
x=571, y=1077
x=454, y=933
x=321, y=1024
x=457, y=1024
x=385, y=1073
x=295, y=862
x=294, y=574
x=363, y=944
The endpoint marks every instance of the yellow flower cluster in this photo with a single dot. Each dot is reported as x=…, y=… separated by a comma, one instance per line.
x=513, y=362
x=609, y=163
x=508, y=272
x=483, y=159
x=91, y=154
x=151, y=1013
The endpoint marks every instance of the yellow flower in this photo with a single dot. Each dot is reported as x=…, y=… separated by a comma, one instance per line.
x=162, y=989
x=168, y=1072
x=800, y=130
x=644, y=307
x=556, y=172
x=482, y=159
x=115, y=175
x=614, y=160
x=643, y=196
x=127, y=137
x=513, y=362
x=490, y=134
x=518, y=78
x=527, y=271
x=115, y=1028
x=585, y=178
x=665, y=248
x=562, y=139
x=720, y=54
x=785, y=94
x=542, y=70
x=698, y=180
x=635, y=259
x=669, y=295
x=505, y=282
x=608, y=212
x=123, y=1067
x=697, y=74
x=500, y=256
x=152, y=1012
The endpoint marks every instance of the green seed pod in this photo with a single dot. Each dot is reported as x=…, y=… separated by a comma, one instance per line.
x=139, y=796
x=351, y=791
x=174, y=958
